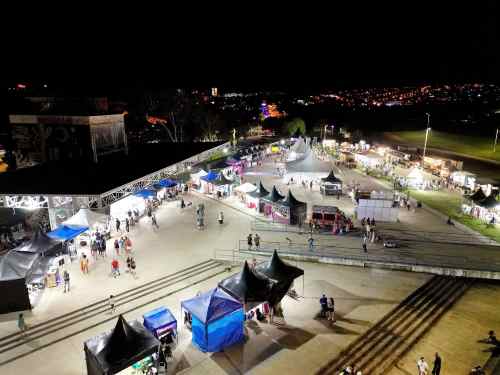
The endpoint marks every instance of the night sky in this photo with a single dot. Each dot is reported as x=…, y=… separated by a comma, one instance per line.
x=442, y=42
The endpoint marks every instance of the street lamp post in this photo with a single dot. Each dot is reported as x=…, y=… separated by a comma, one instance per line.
x=426, y=137
x=495, y=144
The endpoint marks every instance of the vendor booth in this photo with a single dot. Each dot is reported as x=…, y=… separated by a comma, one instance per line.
x=378, y=209
x=26, y=270
x=243, y=191
x=269, y=201
x=463, y=179
x=419, y=179
x=486, y=209
x=87, y=218
x=254, y=198
x=282, y=274
x=216, y=320
x=196, y=178
x=290, y=210
x=66, y=232
x=128, y=345
x=222, y=186
x=330, y=185
x=162, y=324
x=119, y=209
x=206, y=182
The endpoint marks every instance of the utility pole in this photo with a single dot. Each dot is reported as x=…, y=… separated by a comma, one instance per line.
x=426, y=136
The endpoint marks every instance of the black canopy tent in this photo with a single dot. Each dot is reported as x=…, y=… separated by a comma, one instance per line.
x=248, y=288
x=488, y=202
x=478, y=196
x=110, y=353
x=330, y=184
x=291, y=210
x=23, y=265
x=273, y=196
x=281, y=273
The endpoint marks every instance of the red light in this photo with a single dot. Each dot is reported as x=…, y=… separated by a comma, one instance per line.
x=21, y=86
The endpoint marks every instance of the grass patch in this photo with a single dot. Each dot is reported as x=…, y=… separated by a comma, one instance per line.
x=469, y=145
x=451, y=205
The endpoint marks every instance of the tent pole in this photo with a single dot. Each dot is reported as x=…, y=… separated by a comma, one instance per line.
x=303, y=292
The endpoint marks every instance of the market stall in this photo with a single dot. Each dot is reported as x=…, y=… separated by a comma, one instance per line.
x=254, y=198
x=330, y=185
x=463, y=179
x=162, y=324
x=290, y=210
x=128, y=345
x=216, y=320
x=119, y=209
x=196, y=178
x=206, y=185
x=222, y=186
x=243, y=191
x=270, y=200
x=282, y=274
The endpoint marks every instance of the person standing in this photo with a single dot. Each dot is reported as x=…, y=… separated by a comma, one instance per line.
x=66, y=281
x=115, y=268
x=220, y=218
x=311, y=185
x=128, y=245
x=256, y=240
x=111, y=303
x=103, y=246
x=21, y=324
x=422, y=366
x=364, y=240
x=249, y=241
x=122, y=244
x=311, y=243
x=117, y=247
x=132, y=266
x=117, y=223
x=331, y=309
x=436, y=369
x=127, y=225
x=323, y=301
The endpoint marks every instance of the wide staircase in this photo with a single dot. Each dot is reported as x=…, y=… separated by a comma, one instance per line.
x=376, y=351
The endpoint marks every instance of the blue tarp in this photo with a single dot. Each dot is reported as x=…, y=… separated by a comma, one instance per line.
x=145, y=193
x=217, y=320
x=211, y=176
x=159, y=318
x=167, y=182
x=66, y=232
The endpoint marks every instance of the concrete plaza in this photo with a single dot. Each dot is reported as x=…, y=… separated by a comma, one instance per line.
x=362, y=296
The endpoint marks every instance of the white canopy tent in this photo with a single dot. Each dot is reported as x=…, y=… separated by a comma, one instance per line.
x=195, y=177
x=247, y=187
x=87, y=218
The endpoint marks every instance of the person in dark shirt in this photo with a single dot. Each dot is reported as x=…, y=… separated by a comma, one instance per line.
x=323, y=301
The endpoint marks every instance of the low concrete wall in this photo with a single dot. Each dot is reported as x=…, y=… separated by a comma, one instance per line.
x=445, y=271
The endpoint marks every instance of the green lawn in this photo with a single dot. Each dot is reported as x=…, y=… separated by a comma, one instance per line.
x=450, y=205
x=470, y=145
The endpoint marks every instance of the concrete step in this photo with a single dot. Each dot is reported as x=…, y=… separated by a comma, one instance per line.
x=379, y=348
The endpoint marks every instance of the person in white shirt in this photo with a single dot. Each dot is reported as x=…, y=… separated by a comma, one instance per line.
x=422, y=366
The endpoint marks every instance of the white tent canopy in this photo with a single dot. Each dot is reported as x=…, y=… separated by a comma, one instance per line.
x=247, y=187
x=198, y=175
x=86, y=218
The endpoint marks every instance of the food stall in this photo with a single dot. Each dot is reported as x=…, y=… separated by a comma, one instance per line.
x=243, y=191
x=254, y=198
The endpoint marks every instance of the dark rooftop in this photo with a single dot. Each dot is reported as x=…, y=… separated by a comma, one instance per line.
x=87, y=178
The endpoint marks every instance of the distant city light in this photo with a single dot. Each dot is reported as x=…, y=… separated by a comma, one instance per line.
x=21, y=86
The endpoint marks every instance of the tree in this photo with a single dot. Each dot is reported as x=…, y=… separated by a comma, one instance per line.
x=296, y=125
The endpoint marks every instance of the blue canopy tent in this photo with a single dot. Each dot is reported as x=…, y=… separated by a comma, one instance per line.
x=167, y=183
x=67, y=232
x=160, y=322
x=211, y=176
x=145, y=193
x=217, y=320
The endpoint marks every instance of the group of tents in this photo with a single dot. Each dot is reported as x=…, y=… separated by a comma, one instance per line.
x=218, y=315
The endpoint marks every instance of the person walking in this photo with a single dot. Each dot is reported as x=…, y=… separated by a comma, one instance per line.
x=103, y=246
x=117, y=223
x=127, y=225
x=66, y=281
x=128, y=245
x=422, y=366
x=117, y=247
x=122, y=244
x=84, y=264
x=220, y=218
x=436, y=368
x=21, y=324
x=153, y=222
x=111, y=303
x=311, y=243
x=311, y=185
x=365, y=239
x=256, y=240
x=249, y=241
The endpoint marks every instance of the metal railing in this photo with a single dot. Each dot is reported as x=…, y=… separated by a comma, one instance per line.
x=403, y=257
